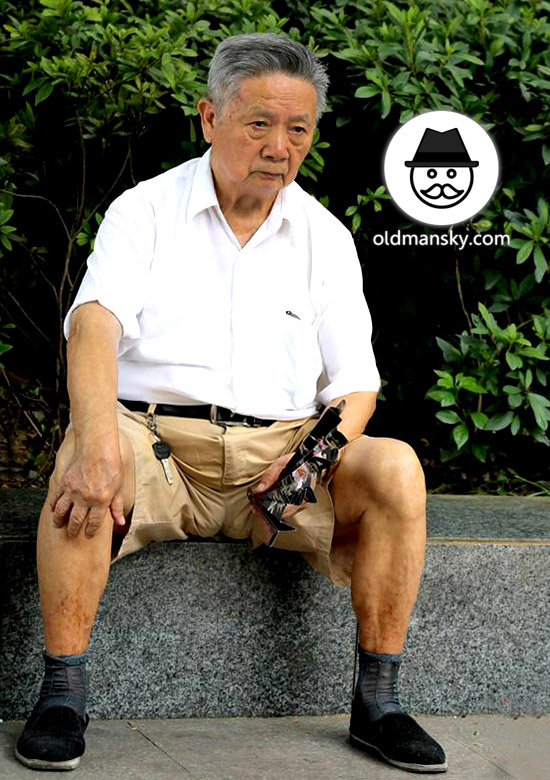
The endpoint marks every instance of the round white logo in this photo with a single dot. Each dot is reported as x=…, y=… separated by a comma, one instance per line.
x=441, y=168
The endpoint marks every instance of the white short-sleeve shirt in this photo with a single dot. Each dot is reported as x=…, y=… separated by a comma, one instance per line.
x=272, y=329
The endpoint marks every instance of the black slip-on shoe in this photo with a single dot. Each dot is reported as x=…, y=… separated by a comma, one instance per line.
x=400, y=740
x=53, y=738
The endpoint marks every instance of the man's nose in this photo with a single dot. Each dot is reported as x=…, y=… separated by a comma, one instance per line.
x=276, y=146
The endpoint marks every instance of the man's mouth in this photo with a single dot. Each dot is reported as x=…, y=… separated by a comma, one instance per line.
x=437, y=191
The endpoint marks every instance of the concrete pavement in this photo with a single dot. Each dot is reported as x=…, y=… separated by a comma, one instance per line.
x=478, y=747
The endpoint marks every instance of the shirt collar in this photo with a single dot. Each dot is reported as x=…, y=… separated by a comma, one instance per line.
x=203, y=194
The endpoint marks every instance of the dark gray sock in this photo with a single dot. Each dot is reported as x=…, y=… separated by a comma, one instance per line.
x=65, y=682
x=377, y=690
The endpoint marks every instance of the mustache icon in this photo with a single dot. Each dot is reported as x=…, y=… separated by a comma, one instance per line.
x=438, y=191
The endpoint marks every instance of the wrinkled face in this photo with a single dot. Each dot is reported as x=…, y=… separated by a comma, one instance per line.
x=441, y=187
x=262, y=136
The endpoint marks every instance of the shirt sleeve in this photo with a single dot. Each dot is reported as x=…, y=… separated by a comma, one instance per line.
x=117, y=270
x=345, y=328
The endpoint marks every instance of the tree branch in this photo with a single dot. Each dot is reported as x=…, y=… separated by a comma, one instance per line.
x=41, y=197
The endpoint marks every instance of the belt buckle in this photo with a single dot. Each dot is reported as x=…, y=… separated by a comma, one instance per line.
x=214, y=418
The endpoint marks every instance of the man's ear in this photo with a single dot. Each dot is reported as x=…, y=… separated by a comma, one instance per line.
x=205, y=107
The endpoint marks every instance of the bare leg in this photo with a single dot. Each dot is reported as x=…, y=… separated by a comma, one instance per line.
x=73, y=572
x=379, y=487
x=380, y=499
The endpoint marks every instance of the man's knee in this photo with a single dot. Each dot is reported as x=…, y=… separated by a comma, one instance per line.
x=398, y=479
x=65, y=455
x=398, y=459
x=385, y=471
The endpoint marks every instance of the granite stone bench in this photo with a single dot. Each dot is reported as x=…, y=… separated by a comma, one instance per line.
x=211, y=628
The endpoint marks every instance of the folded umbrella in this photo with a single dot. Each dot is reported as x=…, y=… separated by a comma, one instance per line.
x=311, y=462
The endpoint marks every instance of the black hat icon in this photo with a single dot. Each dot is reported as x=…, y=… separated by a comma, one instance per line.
x=441, y=149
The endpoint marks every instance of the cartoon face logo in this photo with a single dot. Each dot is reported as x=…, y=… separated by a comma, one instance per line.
x=441, y=172
x=441, y=187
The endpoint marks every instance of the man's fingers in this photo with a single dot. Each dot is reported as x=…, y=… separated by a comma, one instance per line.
x=117, y=509
x=291, y=510
x=272, y=473
x=63, y=505
x=95, y=518
x=55, y=498
x=76, y=520
x=267, y=480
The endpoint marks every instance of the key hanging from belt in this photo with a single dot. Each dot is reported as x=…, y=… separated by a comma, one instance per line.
x=160, y=448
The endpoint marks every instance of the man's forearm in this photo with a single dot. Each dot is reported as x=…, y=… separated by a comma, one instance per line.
x=357, y=411
x=92, y=377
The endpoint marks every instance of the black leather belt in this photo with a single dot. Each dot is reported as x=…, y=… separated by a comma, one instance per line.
x=218, y=415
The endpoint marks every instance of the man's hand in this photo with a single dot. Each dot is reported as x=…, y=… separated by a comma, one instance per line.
x=91, y=485
x=268, y=479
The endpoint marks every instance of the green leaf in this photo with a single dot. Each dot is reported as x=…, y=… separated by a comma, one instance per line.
x=541, y=265
x=534, y=352
x=539, y=404
x=445, y=397
x=542, y=208
x=526, y=285
x=44, y=92
x=480, y=451
x=450, y=353
x=524, y=252
x=461, y=435
x=499, y=421
x=447, y=416
x=515, y=401
x=514, y=361
x=367, y=92
x=471, y=384
x=479, y=419
x=445, y=379
x=487, y=318
x=386, y=104
x=516, y=425
x=542, y=377
x=546, y=154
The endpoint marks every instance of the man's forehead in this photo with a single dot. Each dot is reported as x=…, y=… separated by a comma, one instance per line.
x=264, y=110
x=272, y=91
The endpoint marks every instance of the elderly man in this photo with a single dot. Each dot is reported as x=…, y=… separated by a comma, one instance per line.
x=221, y=310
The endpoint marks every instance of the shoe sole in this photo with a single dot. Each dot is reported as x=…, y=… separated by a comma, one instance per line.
x=40, y=763
x=360, y=743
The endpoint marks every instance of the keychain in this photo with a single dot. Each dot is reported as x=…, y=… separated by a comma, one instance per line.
x=161, y=449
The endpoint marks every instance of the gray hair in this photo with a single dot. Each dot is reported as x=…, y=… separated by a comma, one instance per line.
x=246, y=56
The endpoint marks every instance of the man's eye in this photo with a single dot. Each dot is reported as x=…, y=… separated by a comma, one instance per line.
x=299, y=129
x=259, y=123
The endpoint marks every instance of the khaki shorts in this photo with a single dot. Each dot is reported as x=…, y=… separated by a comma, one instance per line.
x=213, y=468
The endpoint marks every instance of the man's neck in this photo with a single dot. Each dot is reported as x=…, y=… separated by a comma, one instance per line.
x=244, y=210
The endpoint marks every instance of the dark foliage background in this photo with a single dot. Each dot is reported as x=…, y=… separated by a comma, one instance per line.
x=97, y=95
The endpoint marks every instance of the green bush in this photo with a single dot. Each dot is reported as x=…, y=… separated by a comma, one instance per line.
x=97, y=95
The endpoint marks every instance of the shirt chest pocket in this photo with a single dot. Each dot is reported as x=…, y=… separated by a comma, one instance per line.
x=292, y=355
